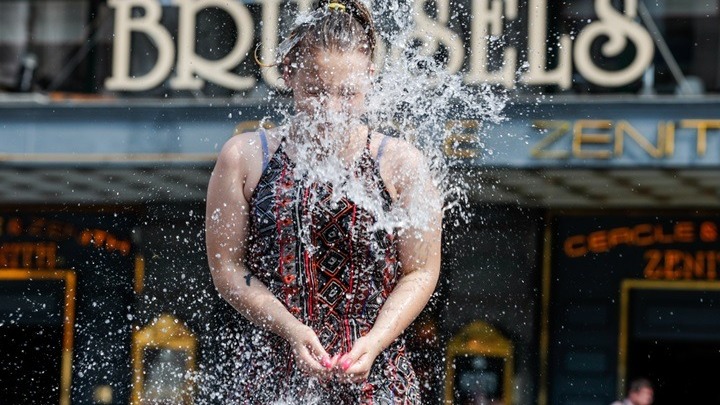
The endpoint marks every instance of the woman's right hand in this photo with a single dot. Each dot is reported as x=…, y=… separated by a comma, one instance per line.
x=310, y=355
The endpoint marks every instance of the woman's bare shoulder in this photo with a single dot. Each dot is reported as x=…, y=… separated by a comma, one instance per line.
x=240, y=151
x=237, y=147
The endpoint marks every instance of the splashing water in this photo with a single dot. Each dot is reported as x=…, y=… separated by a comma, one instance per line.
x=413, y=99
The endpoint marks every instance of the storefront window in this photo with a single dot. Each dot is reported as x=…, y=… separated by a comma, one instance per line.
x=41, y=45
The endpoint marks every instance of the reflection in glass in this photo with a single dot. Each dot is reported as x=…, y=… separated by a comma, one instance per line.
x=165, y=376
x=163, y=361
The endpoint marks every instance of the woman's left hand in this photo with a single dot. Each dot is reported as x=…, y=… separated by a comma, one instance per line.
x=355, y=365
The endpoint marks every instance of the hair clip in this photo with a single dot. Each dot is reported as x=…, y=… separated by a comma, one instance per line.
x=336, y=6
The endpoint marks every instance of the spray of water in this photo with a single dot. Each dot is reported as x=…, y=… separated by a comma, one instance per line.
x=412, y=99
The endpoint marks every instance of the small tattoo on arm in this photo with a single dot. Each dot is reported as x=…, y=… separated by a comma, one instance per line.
x=247, y=279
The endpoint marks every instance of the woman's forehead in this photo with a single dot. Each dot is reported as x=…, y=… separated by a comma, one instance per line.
x=334, y=68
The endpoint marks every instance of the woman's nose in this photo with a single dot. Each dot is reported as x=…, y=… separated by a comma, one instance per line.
x=332, y=104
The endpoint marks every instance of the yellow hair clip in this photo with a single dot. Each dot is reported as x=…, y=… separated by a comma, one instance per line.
x=336, y=6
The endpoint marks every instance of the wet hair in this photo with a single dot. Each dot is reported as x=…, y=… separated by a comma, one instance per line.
x=638, y=384
x=339, y=26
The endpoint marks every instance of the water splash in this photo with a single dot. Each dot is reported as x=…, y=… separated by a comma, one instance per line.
x=414, y=99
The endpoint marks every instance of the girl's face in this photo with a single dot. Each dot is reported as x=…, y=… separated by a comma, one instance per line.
x=330, y=87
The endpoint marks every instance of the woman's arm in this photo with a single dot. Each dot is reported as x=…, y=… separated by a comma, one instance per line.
x=419, y=254
x=226, y=222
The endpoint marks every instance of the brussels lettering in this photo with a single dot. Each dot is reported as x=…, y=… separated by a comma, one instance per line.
x=488, y=19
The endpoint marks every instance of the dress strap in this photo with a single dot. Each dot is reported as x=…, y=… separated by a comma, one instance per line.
x=381, y=149
x=368, y=139
x=265, y=152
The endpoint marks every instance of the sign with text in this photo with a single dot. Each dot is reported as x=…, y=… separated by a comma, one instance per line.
x=591, y=256
x=487, y=26
x=31, y=241
x=601, y=133
x=682, y=249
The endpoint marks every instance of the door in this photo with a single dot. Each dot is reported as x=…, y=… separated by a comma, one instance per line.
x=674, y=341
x=36, y=328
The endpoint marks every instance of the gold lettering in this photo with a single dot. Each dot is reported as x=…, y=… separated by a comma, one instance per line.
x=701, y=126
x=560, y=129
x=712, y=265
x=580, y=137
x=574, y=246
x=99, y=237
x=36, y=227
x=624, y=128
x=54, y=230
x=453, y=149
x=597, y=242
x=660, y=235
x=52, y=256
x=28, y=255
x=684, y=232
x=644, y=235
x=672, y=259
x=653, y=258
x=620, y=235
x=695, y=268
x=708, y=231
x=252, y=125
x=27, y=251
x=14, y=227
x=467, y=135
x=668, y=133
x=85, y=238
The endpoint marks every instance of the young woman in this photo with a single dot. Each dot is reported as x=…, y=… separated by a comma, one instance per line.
x=327, y=291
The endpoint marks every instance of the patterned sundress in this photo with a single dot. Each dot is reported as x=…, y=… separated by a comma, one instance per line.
x=336, y=286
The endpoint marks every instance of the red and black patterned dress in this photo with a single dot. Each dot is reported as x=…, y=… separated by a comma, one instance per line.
x=337, y=286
